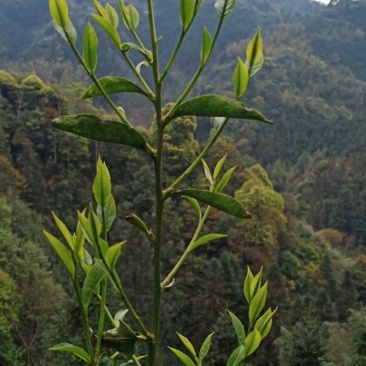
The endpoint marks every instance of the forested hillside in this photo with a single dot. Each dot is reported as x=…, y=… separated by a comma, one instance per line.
x=303, y=180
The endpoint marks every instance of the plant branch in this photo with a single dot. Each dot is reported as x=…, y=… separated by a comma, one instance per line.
x=181, y=260
x=197, y=74
x=196, y=162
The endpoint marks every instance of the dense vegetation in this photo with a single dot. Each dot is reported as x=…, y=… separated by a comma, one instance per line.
x=302, y=179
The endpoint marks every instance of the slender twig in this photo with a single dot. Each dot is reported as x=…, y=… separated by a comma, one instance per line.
x=196, y=162
x=197, y=74
x=181, y=260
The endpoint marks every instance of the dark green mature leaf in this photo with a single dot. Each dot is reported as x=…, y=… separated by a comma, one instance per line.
x=239, y=328
x=220, y=201
x=186, y=13
x=187, y=361
x=218, y=106
x=206, y=239
x=109, y=29
x=224, y=8
x=112, y=85
x=77, y=351
x=93, y=278
x=237, y=357
x=206, y=45
x=205, y=348
x=90, y=126
x=63, y=253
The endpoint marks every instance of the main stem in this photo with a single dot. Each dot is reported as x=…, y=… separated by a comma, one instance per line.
x=159, y=199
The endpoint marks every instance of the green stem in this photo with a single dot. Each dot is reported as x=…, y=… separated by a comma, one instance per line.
x=84, y=318
x=150, y=93
x=101, y=320
x=129, y=306
x=197, y=161
x=173, y=56
x=106, y=310
x=159, y=201
x=196, y=75
x=181, y=260
x=149, y=150
x=135, y=360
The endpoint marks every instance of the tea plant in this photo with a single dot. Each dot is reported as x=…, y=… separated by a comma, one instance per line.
x=87, y=255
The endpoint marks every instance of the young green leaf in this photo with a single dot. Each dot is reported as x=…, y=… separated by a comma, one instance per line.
x=241, y=78
x=247, y=285
x=239, y=328
x=112, y=85
x=90, y=46
x=77, y=351
x=187, y=361
x=90, y=126
x=112, y=15
x=224, y=8
x=257, y=303
x=224, y=180
x=187, y=343
x=109, y=29
x=64, y=231
x=252, y=342
x=102, y=186
x=204, y=349
x=205, y=239
x=131, y=17
x=79, y=244
x=219, y=166
x=207, y=172
x=92, y=228
x=59, y=12
x=63, y=253
x=63, y=25
x=237, y=357
x=256, y=283
x=217, y=106
x=220, y=201
x=195, y=205
x=108, y=213
x=99, y=8
x=206, y=46
x=264, y=323
x=134, y=220
x=92, y=279
x=254, y=53
x=186, y=13
x=120, y=315
x=113, y=254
